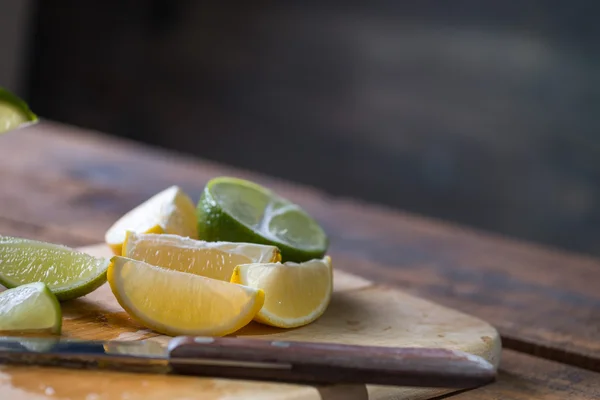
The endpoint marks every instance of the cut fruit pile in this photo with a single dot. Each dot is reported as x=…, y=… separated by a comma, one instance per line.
x=182, y=270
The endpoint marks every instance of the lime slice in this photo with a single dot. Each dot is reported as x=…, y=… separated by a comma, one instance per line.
x=66, y=272
x=30, y=307
x=14, y=112
x=237, y=210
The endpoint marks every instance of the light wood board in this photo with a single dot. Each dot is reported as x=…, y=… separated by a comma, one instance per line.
x=360, y=313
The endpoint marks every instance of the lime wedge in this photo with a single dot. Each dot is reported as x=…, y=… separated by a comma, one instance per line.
x=237, y=210
x=67, y=272
x=14, y=112
x=30, y=307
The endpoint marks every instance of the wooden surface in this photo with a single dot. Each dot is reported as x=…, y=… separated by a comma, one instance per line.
x=524, y=377
x=360, y=313
x=71, y=185
x=521, y=377
x=68, y=185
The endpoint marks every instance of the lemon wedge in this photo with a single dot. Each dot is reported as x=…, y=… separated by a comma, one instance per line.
x=295, y=294
x=211, y=259
x=177, y=303
x=170, y=211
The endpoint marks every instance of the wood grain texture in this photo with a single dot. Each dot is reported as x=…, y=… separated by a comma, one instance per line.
x=524, y=377
x=359, y=313
x=72, y=184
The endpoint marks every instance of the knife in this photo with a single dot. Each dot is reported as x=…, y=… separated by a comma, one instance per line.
x=255, y=359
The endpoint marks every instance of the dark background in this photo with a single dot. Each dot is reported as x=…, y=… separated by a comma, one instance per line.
x=480, y=112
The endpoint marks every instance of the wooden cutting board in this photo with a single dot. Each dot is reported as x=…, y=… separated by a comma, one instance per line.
x=360, y=313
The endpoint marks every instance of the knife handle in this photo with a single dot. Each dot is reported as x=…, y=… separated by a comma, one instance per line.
x=326, y=363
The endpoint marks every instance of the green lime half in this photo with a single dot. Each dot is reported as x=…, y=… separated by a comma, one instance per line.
x=30, y=307
x=14, y=112
x=67, y=272
x=237, y=210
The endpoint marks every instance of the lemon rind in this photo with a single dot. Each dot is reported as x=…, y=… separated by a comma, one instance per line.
x=266, y=317
x=244, y=317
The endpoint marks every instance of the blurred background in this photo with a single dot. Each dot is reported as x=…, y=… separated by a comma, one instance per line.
x=482, y=113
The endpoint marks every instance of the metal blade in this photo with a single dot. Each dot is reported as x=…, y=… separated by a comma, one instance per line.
x=144, y=355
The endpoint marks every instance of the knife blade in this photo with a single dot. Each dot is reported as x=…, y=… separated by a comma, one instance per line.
x=257, y=359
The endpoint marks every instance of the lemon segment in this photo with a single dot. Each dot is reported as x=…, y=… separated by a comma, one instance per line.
x=211, y=259
x=170, y=211
x=30, y=307
x=177, y=303
x=295, y=294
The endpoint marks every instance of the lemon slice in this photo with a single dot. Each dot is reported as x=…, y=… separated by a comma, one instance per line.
x=30, y=307
x=170, y=211
x=211, y=259
x=178, y=303
x=295, y=294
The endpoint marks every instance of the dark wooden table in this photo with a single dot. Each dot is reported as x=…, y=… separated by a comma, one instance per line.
x=67, y=185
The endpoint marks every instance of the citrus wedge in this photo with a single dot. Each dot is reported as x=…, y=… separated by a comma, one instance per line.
x=178, y=303
x=170, y=211
x=236, y=210
x=14, y=112
x=30, y=307
x=295, y=294
x=67, y=273
x=211, y=259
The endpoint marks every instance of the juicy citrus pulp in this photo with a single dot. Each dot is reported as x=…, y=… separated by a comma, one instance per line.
x=211, y=259
x=14, y=112
x=177, y=303
x=170, y=211
x=30, y=307
x=237, y=210
x=295, y=294
x=67, y=273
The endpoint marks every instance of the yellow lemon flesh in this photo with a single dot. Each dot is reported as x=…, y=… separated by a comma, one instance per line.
x=177, y=303
x=211, y=259
x=295, y=294
x=170, y=211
